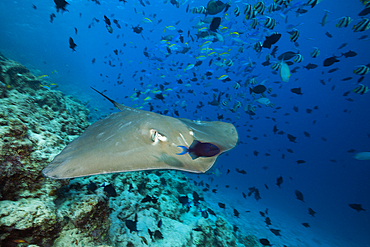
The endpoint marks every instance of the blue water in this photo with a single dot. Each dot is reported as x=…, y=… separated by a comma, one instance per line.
x=330, y=179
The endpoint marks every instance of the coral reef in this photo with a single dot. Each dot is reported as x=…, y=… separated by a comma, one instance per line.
x=157, y=208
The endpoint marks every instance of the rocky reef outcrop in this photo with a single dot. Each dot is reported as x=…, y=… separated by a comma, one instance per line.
x=147, y=208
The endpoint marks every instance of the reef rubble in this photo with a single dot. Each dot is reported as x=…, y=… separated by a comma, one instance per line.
x=156, y=208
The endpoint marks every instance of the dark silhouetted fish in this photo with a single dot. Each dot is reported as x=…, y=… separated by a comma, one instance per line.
x=270, y=40
x=52, y=16
x=264, y=242
x=311, y=212
x=287, y=55
x=221, y=205
x=72, y=44
x=357, y=207
x=300, y=162
x=330, y=61
x=279, y=181
x=215, y=24
x=292, y=138
x=110, y=190
x=240, y=171
x=299, y=195
x=310, y=66
x=305, y=224
x=148, y=198
x=61, y=5
x=275, y=231
x=158, y=235
x=236, y=213
x=296, y=90
x=92, y=186
x=132, y=224
x=349, y=54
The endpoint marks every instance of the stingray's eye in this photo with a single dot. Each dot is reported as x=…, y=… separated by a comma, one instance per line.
x=191, y=132
x=156, y=136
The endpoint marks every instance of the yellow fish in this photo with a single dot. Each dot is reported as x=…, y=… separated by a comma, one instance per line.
x=147, y=20
x=223, y=77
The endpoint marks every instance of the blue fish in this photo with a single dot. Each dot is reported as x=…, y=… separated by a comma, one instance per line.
x=198, y=149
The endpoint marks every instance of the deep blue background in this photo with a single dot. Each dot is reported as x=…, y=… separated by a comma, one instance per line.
x=27, y=36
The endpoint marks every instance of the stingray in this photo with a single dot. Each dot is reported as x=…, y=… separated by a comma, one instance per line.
x=138, y=140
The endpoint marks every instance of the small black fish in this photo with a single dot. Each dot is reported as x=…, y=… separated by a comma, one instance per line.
x=184, y=200
x=311, y=212
x=328, y=35
x=342, y=46
x=299, y=195
x=296, y=90
x=52, y=16
x=310, y=66
x=240, y=171
x=221, y=205
x=279, y=181
x=215, y=24
x=159, y=223
x=236, y=213
x=330, y=61
x=364, y=12
x=265, y=242
x=257, y=89
x=132, y=224
x=347, y=78
x=349, y=54
x=137, y=29
x=61, y=5
x=292, y=138
x=275, y=231
x=158, y=235
x=268, y=221
x=210, y=211
x=287, y=55
x=305, y=224
x=270, y=40
x=300, y=162
x=357, y=207
x=148, y=198
x=34, y=7
x=333, y=70
x=92, y=186
x=306, y=134
x=72, y=44
x=110, y=190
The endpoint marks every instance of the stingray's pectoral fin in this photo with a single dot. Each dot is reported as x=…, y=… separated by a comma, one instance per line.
x=184, y=150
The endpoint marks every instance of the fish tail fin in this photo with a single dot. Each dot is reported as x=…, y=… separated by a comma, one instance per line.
x=193, y=155
x=184, y=150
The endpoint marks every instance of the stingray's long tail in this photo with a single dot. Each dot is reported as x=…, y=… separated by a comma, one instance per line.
x=113, y=102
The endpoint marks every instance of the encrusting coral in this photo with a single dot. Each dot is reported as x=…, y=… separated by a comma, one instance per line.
x=156, y=208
